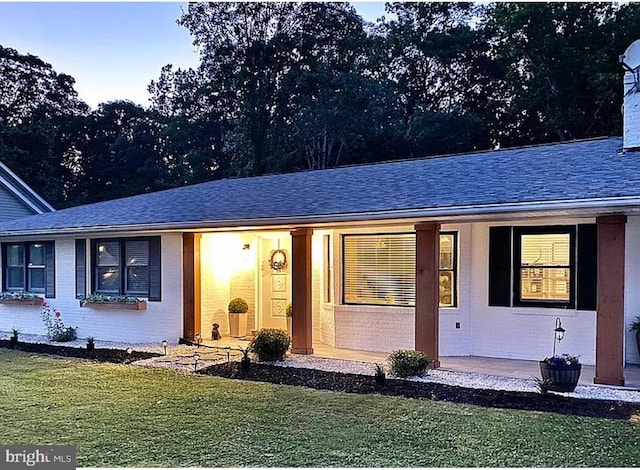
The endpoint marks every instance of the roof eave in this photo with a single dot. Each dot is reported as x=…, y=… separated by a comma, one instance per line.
x=581, y=207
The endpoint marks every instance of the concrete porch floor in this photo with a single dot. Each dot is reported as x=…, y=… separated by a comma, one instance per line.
x=514, y=368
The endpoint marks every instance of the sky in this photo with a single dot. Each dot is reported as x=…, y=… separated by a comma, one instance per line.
x=112, y=49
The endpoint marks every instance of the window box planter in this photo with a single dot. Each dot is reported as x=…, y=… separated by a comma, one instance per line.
x=26, y=301
x=563, y=378
x=112, y=305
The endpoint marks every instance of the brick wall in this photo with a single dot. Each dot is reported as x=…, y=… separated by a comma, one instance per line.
x=161, y=320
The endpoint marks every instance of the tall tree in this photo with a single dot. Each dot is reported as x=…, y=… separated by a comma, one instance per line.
x=39, y=122
x=560, y=78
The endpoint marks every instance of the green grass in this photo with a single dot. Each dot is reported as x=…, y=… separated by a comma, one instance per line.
x=129, y=416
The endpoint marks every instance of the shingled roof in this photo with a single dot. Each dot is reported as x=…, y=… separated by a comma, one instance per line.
x=572, y=174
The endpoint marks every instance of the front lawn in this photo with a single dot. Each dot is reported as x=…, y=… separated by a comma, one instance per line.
x=120, y=415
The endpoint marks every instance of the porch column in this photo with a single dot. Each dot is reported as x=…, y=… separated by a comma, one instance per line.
x=301, y=288
x=190, y=285
x=610, y=305
x=427, y=290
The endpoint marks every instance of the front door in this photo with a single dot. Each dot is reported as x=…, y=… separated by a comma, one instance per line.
x=275, y=283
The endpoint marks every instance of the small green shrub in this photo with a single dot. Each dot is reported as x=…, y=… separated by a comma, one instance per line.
x=543, y=385
x=289, y=310
x=406, y=363
x=270, y=344
x=238, y=305
x=380, y=375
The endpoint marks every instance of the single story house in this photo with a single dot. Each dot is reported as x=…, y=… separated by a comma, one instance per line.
x=473, y=254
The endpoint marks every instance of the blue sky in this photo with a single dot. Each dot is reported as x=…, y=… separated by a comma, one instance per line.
x=113, y=49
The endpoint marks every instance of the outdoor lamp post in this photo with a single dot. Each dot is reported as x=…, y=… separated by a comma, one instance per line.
x=196, y=358
x=558, y=334
x=165, y=343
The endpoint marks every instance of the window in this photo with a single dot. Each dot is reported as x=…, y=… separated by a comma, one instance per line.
x=552, y=266
x=127, y=267
x=381, y=269
x=328, y=264
x=545, y=267
x=448, y=263
x=29, y=267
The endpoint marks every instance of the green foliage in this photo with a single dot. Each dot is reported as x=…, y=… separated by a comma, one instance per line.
x=407, y=363
x=238, y=305
x=270, y=344
x=15, y=332
x=286, y=86
x=19, y=295
x=289, y=310
x=320, y=428
x=56, y=329
x=380, y=375
x=102, y=298
x=543, y=385
x=90, y=340
x=635, y=325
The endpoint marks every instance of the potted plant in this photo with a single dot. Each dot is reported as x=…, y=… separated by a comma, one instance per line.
x=635, y=326
x=289, y=313
x=561, y=371
x=14, y=335
x=91, y=343
x=238, y=308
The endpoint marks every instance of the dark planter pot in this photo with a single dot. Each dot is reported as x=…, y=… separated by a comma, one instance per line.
x=91, y=346
x=638, y=340
x=381, y=380
x=245, y=362
x=563, y=378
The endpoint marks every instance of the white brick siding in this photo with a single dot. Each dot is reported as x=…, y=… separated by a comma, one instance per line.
x=161, y=320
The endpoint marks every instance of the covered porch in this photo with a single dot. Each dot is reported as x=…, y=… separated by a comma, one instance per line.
x=327, y=321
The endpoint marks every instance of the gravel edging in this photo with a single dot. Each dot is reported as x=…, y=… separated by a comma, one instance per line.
x=365, y=384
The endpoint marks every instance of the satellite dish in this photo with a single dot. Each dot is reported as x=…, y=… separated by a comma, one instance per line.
x=630, y=60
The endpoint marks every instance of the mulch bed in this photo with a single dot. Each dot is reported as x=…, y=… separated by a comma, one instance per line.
x=354, y=383
x=98, y=354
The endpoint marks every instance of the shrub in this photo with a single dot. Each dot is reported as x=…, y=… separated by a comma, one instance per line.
x=56, y=329
x=405, y=363
x=270, y=344
x=238, y=305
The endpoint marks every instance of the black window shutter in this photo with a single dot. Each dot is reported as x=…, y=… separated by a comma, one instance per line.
x=4, y=267
x=81, y=268
x=154, y=269
x=49, y=270
x=587, y=272
x=500, y=266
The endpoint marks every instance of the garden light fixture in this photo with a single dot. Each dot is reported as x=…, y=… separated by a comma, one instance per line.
x=558, y=334
x=196, y=358
x=198, y=338
x=165, y=343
